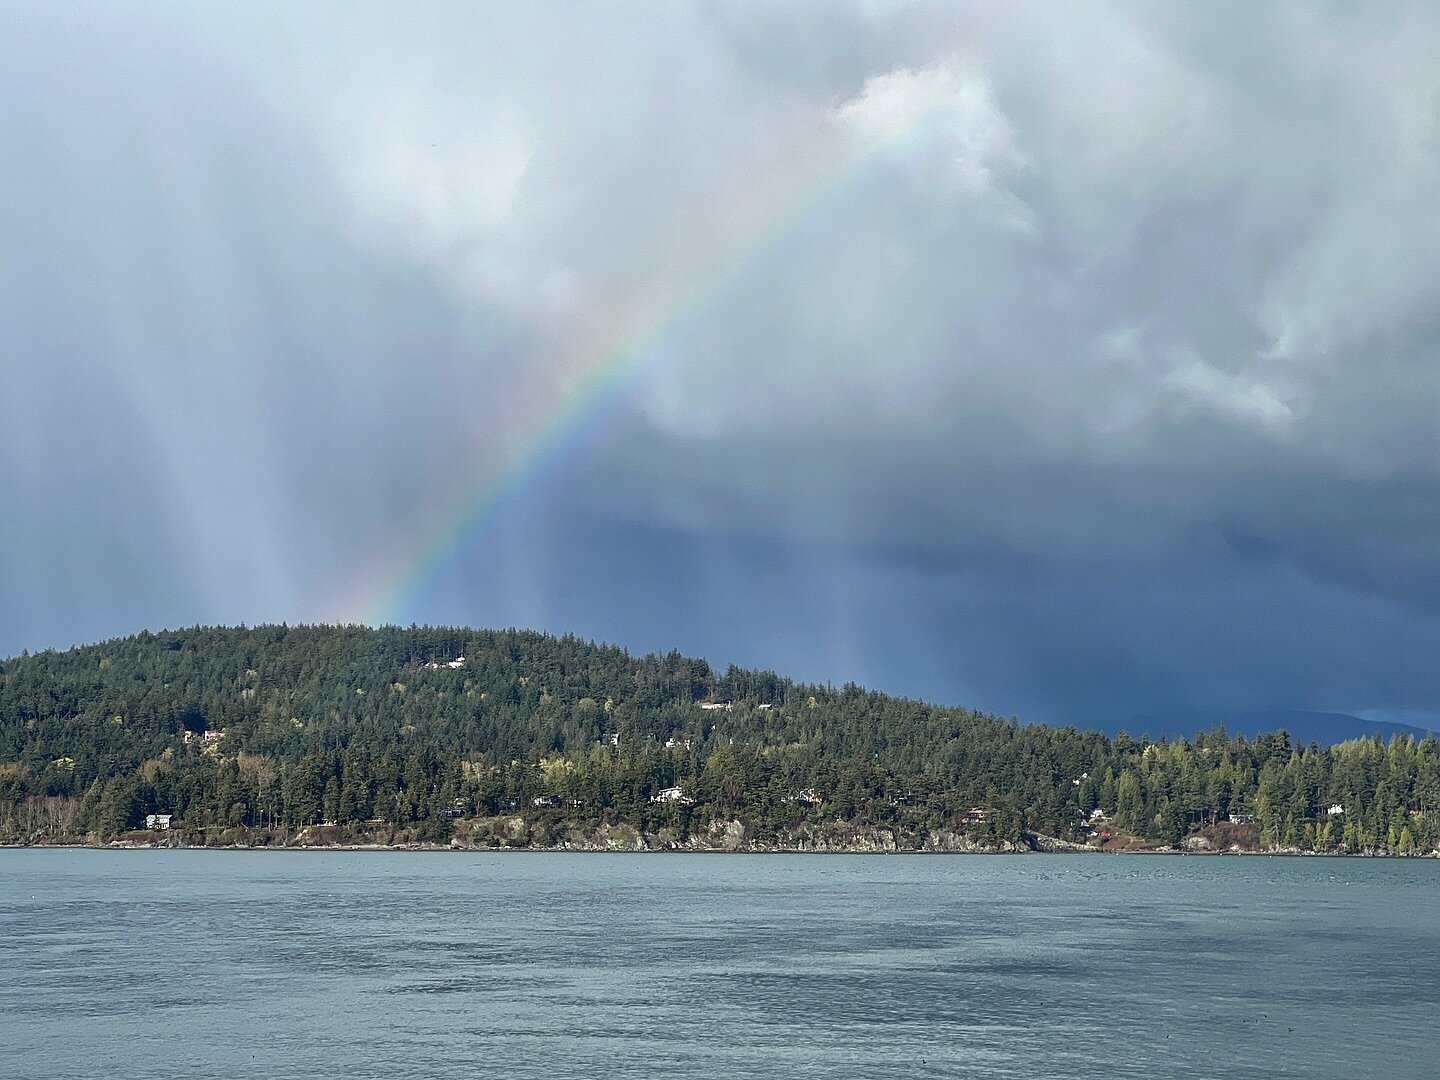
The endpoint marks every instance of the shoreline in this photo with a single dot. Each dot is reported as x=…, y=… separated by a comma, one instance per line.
x=718, y=836
x=437, y=848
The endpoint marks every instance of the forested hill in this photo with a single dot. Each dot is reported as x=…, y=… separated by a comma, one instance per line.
x=241, y=733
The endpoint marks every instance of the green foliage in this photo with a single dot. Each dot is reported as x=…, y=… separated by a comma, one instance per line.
x=353, y=725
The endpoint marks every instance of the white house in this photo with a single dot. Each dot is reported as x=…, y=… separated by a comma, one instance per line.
x=458, y=662
x=1336, y=810
x=672, y=795
x=711, y=706
x=158, y=821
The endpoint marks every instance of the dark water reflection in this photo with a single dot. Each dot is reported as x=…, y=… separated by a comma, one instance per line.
x=173, y=963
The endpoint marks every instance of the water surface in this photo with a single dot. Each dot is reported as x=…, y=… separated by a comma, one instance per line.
x=384, y=964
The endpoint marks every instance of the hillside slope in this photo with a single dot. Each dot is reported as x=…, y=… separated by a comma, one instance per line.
x=234, y=730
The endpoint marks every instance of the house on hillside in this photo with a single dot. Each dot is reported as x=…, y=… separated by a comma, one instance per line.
x=1335, y=810
x=160, y=822
x=672, y=795
x=672, y=743
x=436, y=665
x=807, y=797
x=712, y=706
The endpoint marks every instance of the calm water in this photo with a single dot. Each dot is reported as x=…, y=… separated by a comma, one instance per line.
x=348, y=964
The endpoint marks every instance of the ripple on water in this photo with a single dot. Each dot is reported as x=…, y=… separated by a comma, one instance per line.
x=386, y=964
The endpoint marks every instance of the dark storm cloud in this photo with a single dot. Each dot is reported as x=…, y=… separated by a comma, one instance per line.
x=1061, y=592
x=1071, y=360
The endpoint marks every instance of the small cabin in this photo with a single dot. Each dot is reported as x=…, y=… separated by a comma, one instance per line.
x=160, y=822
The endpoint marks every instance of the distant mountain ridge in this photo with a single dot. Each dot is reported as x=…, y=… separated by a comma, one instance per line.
x=1303, y=726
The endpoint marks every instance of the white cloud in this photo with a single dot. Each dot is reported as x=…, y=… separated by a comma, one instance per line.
x=944, y=110
x=444, y=190
x=440, y=184
x=1230, y=394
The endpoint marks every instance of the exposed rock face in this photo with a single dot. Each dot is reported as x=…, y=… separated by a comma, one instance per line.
x=514, y=829
x=1197, y=843
x=725, y=836
x=620, y=838
x=832, y=838
x=947, y=840
x=1041, y=842
x=721, y=834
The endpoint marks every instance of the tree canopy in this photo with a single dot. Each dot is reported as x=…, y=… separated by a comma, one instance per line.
x=291, y=726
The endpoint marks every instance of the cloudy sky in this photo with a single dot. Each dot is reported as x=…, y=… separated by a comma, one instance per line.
x=1076, y=361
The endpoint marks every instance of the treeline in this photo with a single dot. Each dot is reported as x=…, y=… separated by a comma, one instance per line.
x=276, y=726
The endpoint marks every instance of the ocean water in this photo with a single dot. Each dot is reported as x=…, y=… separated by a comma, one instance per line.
x=122, y=964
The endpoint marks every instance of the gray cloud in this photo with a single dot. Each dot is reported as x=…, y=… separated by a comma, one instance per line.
x=1070, y=360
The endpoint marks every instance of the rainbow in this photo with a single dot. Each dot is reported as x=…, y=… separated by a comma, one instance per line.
x=599, y=368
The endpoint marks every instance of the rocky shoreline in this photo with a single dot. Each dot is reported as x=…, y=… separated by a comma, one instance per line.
x=732, y=836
